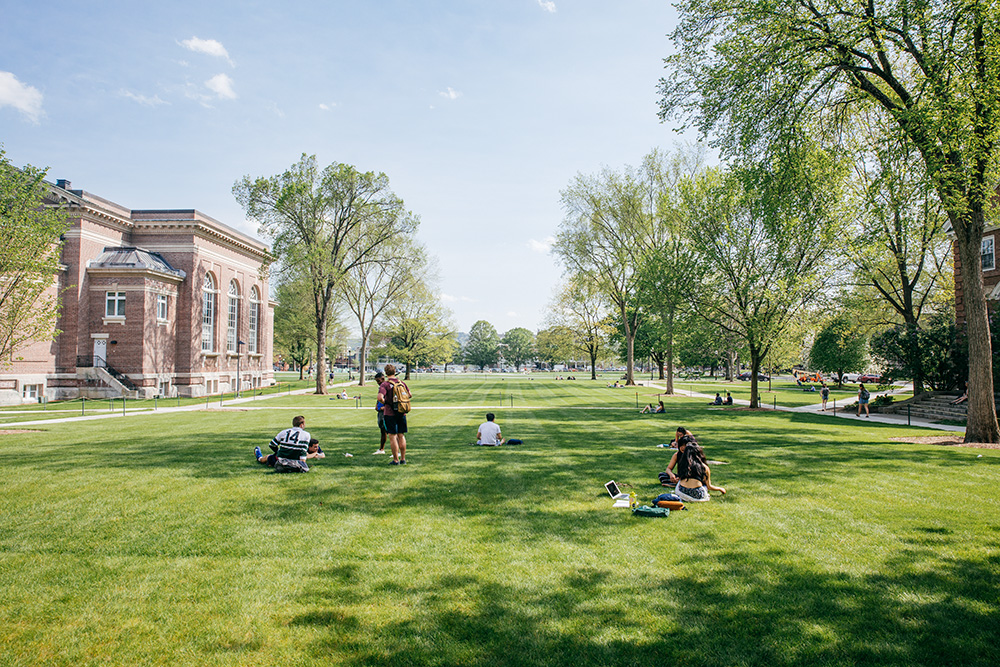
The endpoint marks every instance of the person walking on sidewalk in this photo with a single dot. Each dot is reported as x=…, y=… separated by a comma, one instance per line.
x=863, y=397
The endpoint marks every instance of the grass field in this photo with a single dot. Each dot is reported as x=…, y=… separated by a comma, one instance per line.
x=157, y=540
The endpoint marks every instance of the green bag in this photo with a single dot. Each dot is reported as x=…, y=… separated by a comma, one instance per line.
x=646, y=510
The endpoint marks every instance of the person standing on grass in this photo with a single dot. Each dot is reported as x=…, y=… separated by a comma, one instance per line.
x=489, y=432
x=379, y=379
x=825, y=395
x=863, y=397
x=395, y=424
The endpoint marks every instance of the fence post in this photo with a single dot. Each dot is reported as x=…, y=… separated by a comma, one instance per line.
x=123, y=406
x=907, y=414
x=83, y=406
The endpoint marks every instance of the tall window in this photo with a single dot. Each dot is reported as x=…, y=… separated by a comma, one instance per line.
x=989, y=262
x=254, y=319
x=234, y=318
x=161, y=307
x=208, y=314
x=114, y=304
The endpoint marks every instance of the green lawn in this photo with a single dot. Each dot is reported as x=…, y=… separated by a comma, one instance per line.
x=157, y=540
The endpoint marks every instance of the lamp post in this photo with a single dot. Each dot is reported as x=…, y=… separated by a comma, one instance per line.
x=239, y=377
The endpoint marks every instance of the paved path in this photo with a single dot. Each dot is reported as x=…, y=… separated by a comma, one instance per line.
x=897, y=420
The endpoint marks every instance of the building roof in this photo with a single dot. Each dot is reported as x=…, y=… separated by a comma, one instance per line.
x=129, y=257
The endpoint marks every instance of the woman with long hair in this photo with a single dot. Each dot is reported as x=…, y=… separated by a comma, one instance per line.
x=694, y=475
x=667, y=477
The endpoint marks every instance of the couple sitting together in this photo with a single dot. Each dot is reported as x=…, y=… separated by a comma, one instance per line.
x=693, y=480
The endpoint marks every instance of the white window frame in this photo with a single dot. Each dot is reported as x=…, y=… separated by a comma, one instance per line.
x=254, y=320
x=32, y=391
x=114, y=304
x=987, y=252
x=233, y=319
x=208, y=314
x=162, y=307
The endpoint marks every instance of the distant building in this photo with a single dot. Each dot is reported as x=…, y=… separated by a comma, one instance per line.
x=154, y=302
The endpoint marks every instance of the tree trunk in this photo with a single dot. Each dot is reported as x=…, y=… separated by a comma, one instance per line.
x=669, y=352
x=408, y=366
x=362, y=361
x=629, y=356
x=321, y=355
x=981, y=424
x=755, y=359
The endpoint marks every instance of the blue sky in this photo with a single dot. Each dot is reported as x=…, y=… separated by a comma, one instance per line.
x=479, y=112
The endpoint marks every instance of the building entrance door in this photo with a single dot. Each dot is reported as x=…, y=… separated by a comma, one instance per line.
x=100, y=352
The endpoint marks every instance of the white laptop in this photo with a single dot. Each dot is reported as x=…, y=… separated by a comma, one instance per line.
x=621, y=499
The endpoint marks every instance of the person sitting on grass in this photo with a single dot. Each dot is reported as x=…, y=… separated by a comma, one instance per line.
x=695, y=477
x=489, y=434
x=667, y=477
x=729, y=399
x=718, y=399
x=649, y=408
x=315, y=452
x=681, y=432
x=291, y=447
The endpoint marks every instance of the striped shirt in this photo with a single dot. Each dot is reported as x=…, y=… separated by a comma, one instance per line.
x=292, y=443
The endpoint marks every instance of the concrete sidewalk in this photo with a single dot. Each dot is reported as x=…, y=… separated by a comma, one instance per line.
x=231, y=403
x=896, y=420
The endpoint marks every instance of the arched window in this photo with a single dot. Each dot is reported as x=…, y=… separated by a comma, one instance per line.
x=254, y=320
x=208, y=314
x=232, y=331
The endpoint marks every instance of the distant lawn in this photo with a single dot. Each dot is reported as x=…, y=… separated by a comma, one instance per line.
x=782, y=393
x=157, y=540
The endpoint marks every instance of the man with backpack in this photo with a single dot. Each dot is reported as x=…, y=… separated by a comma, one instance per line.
x=395, y=397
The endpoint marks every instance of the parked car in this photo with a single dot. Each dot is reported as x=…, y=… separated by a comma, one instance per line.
x=746, y=376
x=869, y=378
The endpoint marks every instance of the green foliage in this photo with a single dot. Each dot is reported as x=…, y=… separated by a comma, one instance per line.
x=483, y=347
x=419, y=330
x=942, y=355
x=518, y=346
x=556, y=344
x=294, y=326
x=30, y=242
x=325, y=223
x=839, y=348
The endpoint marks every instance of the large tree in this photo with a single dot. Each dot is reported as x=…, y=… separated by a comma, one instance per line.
x=518, y=346
x=293, y=323
x=369, y=289
x=752, y=71
x=763, y=235
x=839, y=347
x=605, y=238
x=29, y=259
x=483, y=346
x=325, y=223
x=580, y=309
x=556, y=344
x=419, y=328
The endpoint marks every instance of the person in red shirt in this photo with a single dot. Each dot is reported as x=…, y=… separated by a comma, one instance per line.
x=395, y=424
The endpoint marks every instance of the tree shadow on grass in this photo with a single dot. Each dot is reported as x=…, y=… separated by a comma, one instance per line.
x=730, y=608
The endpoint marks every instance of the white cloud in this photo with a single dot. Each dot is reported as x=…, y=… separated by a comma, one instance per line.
x=548, y=6
x=26, y=99
x=209, y=47
x=144, y=100
x=222, y=85
x=511, y=313
x=327, y=107
x=542, y=246
x=450, y=94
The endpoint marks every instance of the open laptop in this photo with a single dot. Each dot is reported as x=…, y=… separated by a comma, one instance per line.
x=621, y=499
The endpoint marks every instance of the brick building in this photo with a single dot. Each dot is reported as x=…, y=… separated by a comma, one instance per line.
x=154, y=302
x=991, y=271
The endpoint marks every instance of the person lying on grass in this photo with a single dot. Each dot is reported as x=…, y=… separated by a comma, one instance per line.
x=315, y=452
x=489, y=433
x=649, y=408
x=695, y=476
